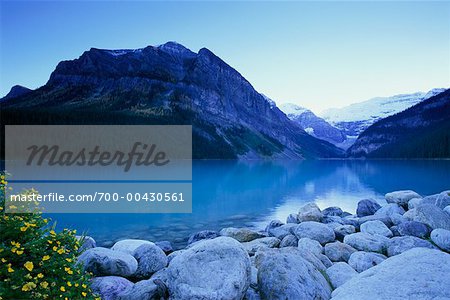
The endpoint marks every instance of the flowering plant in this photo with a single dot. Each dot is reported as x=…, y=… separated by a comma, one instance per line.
x=36, y=261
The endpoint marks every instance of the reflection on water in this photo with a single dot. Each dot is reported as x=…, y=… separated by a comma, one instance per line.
x=232, y=193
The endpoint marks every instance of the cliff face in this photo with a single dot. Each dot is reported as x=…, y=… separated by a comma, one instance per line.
x=168, y=84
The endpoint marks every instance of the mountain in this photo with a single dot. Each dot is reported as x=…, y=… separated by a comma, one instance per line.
x=355, y=118
x=17, y=91
x=422, y=131
x=168, y=84
x=313, y=124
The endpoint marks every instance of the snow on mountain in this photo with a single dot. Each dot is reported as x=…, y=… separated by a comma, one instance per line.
x=312, y=124
x=357, y=117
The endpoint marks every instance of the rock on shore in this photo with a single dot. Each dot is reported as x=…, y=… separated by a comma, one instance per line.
x=396, y=251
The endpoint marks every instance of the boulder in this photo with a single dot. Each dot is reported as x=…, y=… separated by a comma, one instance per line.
x=165, y=246
x=418, y=274
x=86, y=242
x=211, y=269
x=343, y=230
x=332, y=219
x=307, y=244
x=267, y=242
x=397, y=218
x=389, y=209
x=292, y=218
x=289, y=241
x=431, y=215
x=361, y=261
x=315, y=231
x=367, y=242
x=174, y=254
x=241, y=234
x=287, y=275
x=252, y=294
x=441, y=200
x=325, y=260
x=401, y=197
x=129, y=245
x=150, y=259
x=310, y=212
x=315, y=260
x=400, y=244
x=111, y=287
x=386, y=220
x=441, y=238
x=149, y=289
x=376, y=227
x=367, y=207
x=340, y=273
x=338, y=251
x=447, y=209
x=104, y=262
x=281, y=231
x=332, y=211
x=203, y=235
x=394, y=230
x=414, y=202
x=413, y=228
x=273, y=224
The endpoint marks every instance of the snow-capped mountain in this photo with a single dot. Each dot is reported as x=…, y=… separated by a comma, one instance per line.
x=313, y=124
x=356, y=118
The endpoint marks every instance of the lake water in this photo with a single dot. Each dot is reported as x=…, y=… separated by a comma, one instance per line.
x=237, y=193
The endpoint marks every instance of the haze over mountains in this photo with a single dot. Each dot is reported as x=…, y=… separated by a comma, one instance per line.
x=169, y=84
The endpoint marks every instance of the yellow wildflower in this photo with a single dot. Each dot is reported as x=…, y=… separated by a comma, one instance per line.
x=3, y=260
x=84, y=294
x=29, y=266
x=69, y=259
x=61, y=251
x=50, y=242
x=19, y=252
x=46, y=257
x=44, y=284
x=28, y=286
x=23, y=228
x=40, y=275
x=69, y=283
x=84, y=286
x=52, y=232
x=13, y=250
x=62, y=289
x=10, y=270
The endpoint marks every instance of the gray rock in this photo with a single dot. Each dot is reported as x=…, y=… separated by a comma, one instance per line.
x=332, y=211
x=340, y=273
x=273, y=224
x=254, y=278
x=414, y=202
x=386, y=220
x=338, y=251
x=397, y=218
x=129, y=245
x=314, y=230
x=289, y=241
x=287, y=275
x=447, y=210
x=310, y=212
x=281, y=231
x=361, y=261
x=394, y=230
x=367, y=242
x=332, y=219
x=343, y=230
x=315, y=260
x=400, y=244
x=325, y=260
x=161, y=275
x=241, y=234
x=413, y=228
x=307, y=244
x=165, y=246
x=367, y=207
x=110, y=287
x=441, y=237
x=401, y=197
x=104, y=262
x=333, y=225
x=431, y=215
x=203, y=235
x=418, y=274
x=389, y=209
x=292, y=218
x=441, y=200
x=258, y=244
x=376, y=227
x=149, y=289
x=211, y=269
x=150, y=259
x=86, y=242
x=174, y=254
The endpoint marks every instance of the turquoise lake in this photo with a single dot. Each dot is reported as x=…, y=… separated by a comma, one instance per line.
x=251, y=193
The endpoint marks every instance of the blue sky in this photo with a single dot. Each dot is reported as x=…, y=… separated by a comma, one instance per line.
x=315, y=54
